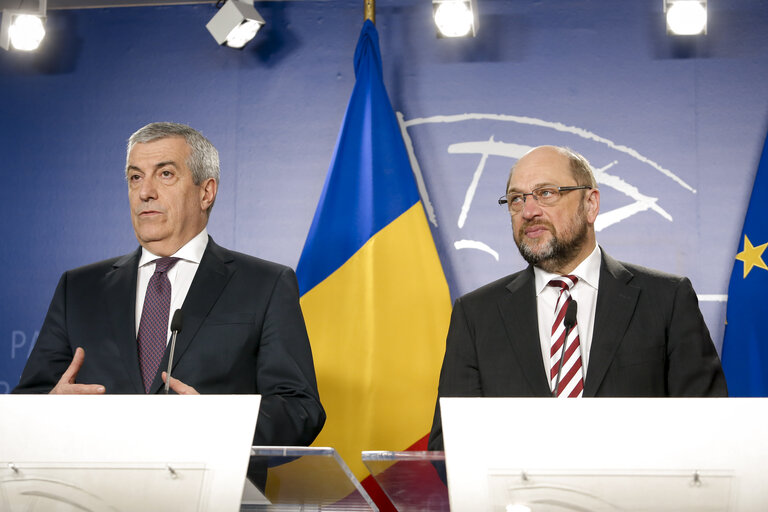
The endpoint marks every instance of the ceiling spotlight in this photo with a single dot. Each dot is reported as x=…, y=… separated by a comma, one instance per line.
x=23, y=29
x=686, y=17
x=26, y=32
x=235, y=24
x=455, y=18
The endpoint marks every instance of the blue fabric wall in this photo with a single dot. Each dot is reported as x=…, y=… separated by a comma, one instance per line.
x=673, y=123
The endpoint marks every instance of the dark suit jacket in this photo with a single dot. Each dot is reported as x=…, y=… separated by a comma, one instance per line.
x=243, y=332
x=649, y=340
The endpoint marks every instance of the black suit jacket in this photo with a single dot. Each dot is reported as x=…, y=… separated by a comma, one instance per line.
x=243, y=332
x=649, y=340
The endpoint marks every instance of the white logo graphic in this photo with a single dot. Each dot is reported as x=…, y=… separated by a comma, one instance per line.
x=604, y=174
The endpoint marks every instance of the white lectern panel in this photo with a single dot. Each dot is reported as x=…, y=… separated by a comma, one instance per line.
x=626, y=454
x=124, y=452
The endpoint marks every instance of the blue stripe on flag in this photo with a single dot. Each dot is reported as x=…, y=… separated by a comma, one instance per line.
x=369, y=183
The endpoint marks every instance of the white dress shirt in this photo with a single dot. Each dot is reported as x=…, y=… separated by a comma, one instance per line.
x=180, y=276
x=584, y=292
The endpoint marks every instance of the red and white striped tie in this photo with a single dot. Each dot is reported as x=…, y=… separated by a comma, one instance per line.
x=571, y=375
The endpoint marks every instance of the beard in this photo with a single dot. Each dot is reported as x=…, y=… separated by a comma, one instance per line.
x=561, y=249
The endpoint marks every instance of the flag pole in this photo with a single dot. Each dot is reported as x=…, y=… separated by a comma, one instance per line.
x=370, y=10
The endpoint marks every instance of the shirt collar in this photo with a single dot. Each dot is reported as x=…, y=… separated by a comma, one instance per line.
x=588, y=271
x=191, y=251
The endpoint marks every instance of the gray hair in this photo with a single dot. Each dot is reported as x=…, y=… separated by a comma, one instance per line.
x=580, y=168
x=203, y=159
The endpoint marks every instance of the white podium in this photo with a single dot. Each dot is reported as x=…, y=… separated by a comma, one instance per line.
x=606, y=454
x=124, y=452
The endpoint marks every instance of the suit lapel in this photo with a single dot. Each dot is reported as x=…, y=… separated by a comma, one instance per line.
x=616, y=301
x=120, y=294
x=211, y=278
x=518, y=311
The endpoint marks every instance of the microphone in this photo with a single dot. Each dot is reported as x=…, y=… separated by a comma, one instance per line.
x=569, y=321
x=176, y=323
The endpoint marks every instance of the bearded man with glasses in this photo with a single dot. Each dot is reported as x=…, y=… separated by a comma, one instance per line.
x=636, y=332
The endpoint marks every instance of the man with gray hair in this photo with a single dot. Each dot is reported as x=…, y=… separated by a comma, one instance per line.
x=107, y=328
x=635, y=332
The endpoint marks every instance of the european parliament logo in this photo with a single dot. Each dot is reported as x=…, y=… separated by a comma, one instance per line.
x=607, y=173
x=462, y=162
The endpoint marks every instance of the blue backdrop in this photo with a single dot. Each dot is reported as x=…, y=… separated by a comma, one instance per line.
x=674, y=127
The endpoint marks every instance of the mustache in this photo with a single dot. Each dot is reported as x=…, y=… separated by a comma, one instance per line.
x=536, y=222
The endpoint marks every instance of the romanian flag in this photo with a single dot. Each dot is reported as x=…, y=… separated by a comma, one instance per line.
x=373, y=292
x=745, y=346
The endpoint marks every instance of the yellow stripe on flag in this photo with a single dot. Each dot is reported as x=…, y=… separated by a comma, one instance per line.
x=377, y=326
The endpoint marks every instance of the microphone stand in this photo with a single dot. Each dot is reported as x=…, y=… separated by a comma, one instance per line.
x=175, y=328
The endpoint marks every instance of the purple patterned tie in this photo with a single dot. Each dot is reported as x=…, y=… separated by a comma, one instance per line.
x=153, y=328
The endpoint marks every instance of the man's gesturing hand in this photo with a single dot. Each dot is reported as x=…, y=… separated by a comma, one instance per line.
x=66, y=384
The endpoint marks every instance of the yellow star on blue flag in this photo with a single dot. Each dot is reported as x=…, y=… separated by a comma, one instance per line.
x=752, y=256
x=745, y=346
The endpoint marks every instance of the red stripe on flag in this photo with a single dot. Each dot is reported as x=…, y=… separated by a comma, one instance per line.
x=428, y=482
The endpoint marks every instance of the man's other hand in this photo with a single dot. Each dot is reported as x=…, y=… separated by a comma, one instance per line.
x=179, y=387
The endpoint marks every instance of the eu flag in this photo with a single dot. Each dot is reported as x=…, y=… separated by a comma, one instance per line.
x=745, y=346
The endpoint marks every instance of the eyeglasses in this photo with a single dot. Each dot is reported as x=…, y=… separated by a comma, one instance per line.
x=544, y=196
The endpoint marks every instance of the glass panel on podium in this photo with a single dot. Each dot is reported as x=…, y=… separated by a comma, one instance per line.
x=76, y=487
x=302, y=478
x=611, y=491
x=413, y=481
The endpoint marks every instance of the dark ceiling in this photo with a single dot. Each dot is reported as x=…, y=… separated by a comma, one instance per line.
x=91, y=4
x=98, y=4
